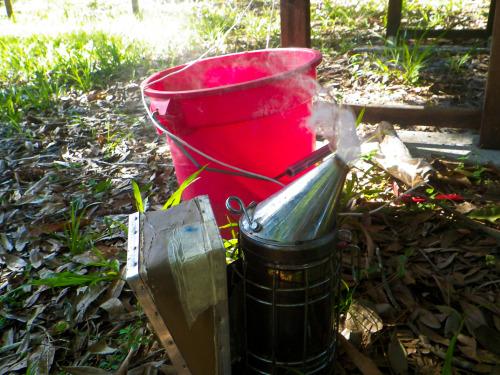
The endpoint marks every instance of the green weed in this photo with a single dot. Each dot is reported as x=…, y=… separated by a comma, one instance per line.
x=129, y=338
x=345, y=299
x=36, y=71
x=357, y=187
x=211, y=22
x=140, y=203
x=72, y=237
x=175, y=198
x=457, y=62
x=231, y=245
x=448, y=360
x=477, y=171
x=412, y=59
x=402, y=261
x=109, y=270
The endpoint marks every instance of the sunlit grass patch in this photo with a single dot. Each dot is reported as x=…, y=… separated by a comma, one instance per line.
x=36, y=71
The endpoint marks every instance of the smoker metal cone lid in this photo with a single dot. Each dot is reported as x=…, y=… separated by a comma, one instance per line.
x=304, y=210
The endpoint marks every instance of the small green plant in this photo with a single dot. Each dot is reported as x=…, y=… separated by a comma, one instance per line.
x=451, y=347
x=231, y=244
x=14, y=298
x=412, y=59
x=356, y=187
x=175, y=198
x=129, y=338
x=108, y=270
x=140, y=203
x=476, y=173
x=345, y=298
x=32, y=369
x=457, y=62
x=403, y=260
x=76, y=240
x=491, y=260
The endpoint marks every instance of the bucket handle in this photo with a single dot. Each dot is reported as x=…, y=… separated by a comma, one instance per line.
x=291, y=171
x=177, y=141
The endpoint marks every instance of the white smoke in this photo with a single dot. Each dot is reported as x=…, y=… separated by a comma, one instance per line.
x=337, y=125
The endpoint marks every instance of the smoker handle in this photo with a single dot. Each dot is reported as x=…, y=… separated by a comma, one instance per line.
x=304, y=163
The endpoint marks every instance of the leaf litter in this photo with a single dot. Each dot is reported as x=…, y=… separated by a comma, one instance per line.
x=429, y=276
x=56, y=312
x=425, y=270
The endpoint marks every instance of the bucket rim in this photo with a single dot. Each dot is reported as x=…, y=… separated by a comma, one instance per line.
x=315, y=60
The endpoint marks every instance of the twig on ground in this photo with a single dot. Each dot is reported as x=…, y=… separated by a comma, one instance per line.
x=430, y=261
x=424, y=341
x=363, y=363
x=493, y=233
x=385, y=284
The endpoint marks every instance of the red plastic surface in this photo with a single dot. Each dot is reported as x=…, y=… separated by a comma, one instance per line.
x=248, y=110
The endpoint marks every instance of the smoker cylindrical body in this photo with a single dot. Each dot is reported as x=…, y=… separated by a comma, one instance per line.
x=289, y=292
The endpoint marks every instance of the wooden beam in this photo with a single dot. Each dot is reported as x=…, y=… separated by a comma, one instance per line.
x=394, y=11
x=8, y=7
x=419, y=115
x=445, y=34
x=295, y=23
x=135, y=6
x=489, y=134
x=491, y=17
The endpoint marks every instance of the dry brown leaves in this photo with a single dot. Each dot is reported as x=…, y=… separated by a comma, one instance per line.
x=87, y=153
x=427, y=271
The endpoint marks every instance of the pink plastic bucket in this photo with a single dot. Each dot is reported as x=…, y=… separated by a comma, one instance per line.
x=248, y=110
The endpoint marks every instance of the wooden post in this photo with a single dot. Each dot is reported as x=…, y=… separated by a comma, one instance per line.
x=8, y=7
x=295, y=23
x=491, y=17
x=135, y=6
x=489, y=134
x=394, y=10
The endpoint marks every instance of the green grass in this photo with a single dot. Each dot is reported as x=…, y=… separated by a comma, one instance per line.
x=37, y=71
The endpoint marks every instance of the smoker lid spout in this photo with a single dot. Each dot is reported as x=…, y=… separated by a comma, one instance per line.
x=304, y=210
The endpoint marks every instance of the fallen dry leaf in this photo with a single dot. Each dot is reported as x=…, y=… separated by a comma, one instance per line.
x=396, y=354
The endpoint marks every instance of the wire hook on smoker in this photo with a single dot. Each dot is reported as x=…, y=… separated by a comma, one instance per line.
x=254, y=225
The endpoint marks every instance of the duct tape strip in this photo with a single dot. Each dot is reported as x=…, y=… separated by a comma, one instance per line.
x=189, y=261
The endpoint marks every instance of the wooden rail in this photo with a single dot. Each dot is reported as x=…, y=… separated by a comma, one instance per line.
x=8, y=7
x=295, y=31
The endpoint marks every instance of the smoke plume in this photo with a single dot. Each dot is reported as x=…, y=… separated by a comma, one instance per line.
x=337, y=125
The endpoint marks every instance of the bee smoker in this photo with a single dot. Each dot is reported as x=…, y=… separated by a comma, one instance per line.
x=286, y=284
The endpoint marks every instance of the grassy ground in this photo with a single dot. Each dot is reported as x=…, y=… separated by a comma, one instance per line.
x=54, y=48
